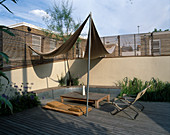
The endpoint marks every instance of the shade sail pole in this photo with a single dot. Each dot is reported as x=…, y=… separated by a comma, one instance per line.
x=88, y=70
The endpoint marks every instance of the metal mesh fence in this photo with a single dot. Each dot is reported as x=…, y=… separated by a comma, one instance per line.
x=149, y=44
x=130, y=44
x=111, y=41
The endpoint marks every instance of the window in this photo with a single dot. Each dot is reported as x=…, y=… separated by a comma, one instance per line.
x=36, y=43
x=52, y=44
x=156, y=47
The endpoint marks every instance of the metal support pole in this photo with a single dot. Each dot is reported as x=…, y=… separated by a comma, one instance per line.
x=138, y=29
x=1, y=47
x=145, y=45
x=104, y=40
x=87, y=93
x=118, y=37
x=25, y=51
x=152, y=43
x=135, y=44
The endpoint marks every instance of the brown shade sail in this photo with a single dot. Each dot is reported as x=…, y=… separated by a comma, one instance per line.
x=65, y=47
x=97, y=47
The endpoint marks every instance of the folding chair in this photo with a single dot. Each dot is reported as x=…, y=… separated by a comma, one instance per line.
x=128, y=104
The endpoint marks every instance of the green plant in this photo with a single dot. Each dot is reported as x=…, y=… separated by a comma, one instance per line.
x=5, y=102
x=3, y=99
x=61, y=80
x=75, y=81
x=131, y=86
x=2, y=74
x=20, y=102
x=2, y=1
x=6, y=30
x=159, y=91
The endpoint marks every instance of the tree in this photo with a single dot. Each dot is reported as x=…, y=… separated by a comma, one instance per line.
x=156, y=30
x=60, y=20
x=166, y=30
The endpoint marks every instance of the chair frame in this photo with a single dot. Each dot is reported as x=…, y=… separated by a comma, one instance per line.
x=127, y=99
x=129, y=104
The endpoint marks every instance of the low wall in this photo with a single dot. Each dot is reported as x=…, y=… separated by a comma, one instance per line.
x=56, y=92
x=38, y=77
x=109, y=71
x=104, y=72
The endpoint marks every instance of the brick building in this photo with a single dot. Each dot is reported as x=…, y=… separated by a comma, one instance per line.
x=43, y=41
x=157, y=43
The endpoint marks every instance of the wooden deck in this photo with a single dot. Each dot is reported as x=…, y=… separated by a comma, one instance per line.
x=154, y=120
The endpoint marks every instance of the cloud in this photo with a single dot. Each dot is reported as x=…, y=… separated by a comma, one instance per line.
x=111, y=17
x=7, y=21
x=34, y=17
x=39, y=13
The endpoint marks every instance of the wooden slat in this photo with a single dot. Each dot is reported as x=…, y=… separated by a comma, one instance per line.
x=155, y=119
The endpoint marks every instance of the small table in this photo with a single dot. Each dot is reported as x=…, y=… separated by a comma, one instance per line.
x=93, y=97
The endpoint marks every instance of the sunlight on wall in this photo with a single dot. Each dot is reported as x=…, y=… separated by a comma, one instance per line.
x=104, y=72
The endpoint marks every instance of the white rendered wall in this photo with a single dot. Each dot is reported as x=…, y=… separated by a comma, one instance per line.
x=104, y=72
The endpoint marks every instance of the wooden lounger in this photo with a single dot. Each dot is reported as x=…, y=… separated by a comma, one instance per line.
x=65, y=108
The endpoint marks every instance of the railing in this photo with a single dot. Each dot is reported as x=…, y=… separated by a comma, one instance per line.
x=148, y=44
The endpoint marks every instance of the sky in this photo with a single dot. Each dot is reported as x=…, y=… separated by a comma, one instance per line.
x=111, y=17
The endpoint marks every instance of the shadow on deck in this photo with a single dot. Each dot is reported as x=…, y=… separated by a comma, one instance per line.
x=155, y=119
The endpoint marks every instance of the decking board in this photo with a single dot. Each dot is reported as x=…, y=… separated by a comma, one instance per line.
x=155, y=119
